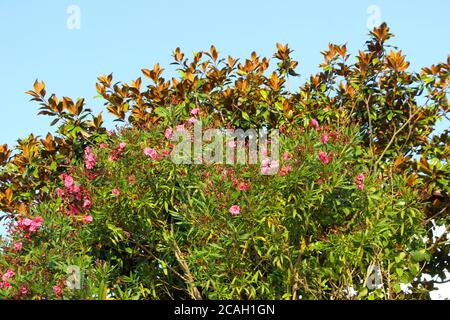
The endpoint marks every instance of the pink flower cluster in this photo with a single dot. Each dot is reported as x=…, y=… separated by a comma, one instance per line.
x=89, y=158
x=359, y=181
x=75, y=197
x=314, y=124
x=285, y=170
x=151, y=153
x=168, y=133
x=29, y=225
x=268, y=165
x=235, y=210
x=325, y=137
x=324, y=157
x=117, y=153
x=6, y=278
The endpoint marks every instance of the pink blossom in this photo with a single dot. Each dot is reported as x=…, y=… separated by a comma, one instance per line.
x=87, y=204
x=168, y=133
x=152, y=153
x=73, y=210
x=23, y=290
x=18, y=246
x=25, y=222
x=57, y=290
x=192, y=120
x=231, y=144
x=264, y=151
x=324, y=158
x=60, y=192
x=360, y=185
x=122, y=146
x=113, y=157
x=165, y=152
x=286, y=156
x=68, y=181
x=268, y=166
x=324, y=138
x=115, y=191
x=90, y=161
x=5, y=285
x=180, y=127
x=235, y=210
x=87, y=219
x=314, y=123
x=9, y=274
x=285, y=170
x=102, y=145
x=360, y=177
x=194, y=111
x=243, y=186
x=36, y=224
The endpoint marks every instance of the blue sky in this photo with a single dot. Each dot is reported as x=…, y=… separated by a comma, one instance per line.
x=125, y=36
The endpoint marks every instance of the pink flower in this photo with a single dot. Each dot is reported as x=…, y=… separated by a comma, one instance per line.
x=68, y=181
x=60, y=192
x=194, y=111
x=36, y=224
x=192, y=120
x=87, y=151
x=9, y=274
x=286, y=156
x=165, y=152
x=102, y=145
x=285, y=170
x=115, y=191
x=57, y=290
x=111, y=133
x=180, y=127
x=90, y=161
x=269, y=166
x=243, y=186
x=235, y=210
x=87, y=219
x=87, y=204
x=324, y=158
x=231, y=144
x=314, y=124
x=113, y=157
x=360, y=185
x=122, y=146
x=360, y=177
x=5, y=285
x=18, y=246
x=152, y=153
x=25, y=222
x=168, y=133
x=324, y=138
x=264, y=151
x=23, y=290
x=73, y=210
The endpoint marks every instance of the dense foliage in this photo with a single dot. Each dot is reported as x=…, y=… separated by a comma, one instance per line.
x=362, y=180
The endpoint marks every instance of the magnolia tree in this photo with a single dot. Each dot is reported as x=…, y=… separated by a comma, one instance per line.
x=335, y=194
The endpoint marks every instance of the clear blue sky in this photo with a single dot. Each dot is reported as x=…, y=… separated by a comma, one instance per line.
x=124, y=36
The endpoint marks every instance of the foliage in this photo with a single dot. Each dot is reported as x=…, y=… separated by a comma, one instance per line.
x=361, y=183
